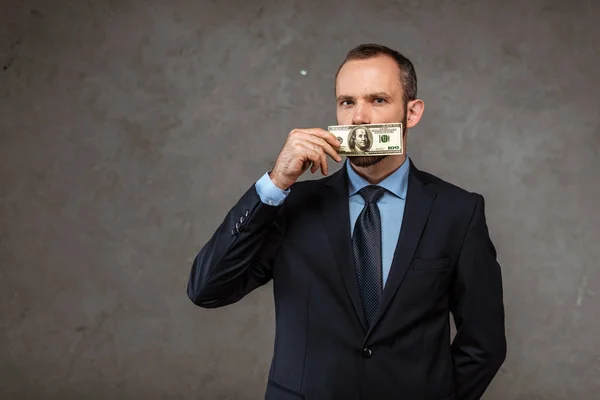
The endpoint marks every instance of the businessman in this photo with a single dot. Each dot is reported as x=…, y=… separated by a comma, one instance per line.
x=367, y=263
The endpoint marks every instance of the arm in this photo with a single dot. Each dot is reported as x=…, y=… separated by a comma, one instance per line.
x=479, y=347
x=238, y=257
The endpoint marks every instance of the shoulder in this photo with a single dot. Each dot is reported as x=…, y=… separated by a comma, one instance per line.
x=450, y=193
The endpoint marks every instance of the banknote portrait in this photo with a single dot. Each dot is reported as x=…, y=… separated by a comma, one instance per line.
x=360, y=139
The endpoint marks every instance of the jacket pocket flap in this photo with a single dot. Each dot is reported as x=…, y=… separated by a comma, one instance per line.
x=278, y=392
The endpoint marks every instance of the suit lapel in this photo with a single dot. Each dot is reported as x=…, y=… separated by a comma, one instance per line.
x=419, y=200
x=335, y=211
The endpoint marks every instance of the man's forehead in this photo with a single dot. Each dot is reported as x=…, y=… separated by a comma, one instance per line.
x=359, y=78
x=374, y=67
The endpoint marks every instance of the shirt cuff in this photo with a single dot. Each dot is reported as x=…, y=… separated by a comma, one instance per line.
x=268, y=192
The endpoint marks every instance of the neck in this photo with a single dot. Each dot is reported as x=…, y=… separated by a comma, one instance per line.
x=374, y=174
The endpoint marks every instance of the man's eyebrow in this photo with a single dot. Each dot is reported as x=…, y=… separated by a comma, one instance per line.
x=379, y=94
x=368, y=96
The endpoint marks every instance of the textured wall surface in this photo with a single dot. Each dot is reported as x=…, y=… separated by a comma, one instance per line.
x=129, y=128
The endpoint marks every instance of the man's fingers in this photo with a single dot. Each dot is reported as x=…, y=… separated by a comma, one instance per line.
x=323, y=134
x=322, y=156
x=324, y=145
x=314, y=145
x=305, y=165
x=311, y=156
x=324, y=166
x=317, y=157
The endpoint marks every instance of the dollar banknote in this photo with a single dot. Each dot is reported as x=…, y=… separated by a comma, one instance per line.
x=369, y=139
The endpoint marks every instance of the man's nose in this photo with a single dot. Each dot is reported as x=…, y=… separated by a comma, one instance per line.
x=361, y=115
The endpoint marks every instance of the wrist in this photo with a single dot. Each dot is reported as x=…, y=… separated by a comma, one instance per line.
x=277, y=181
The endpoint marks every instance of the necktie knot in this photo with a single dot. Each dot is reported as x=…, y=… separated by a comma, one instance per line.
x=372, y=193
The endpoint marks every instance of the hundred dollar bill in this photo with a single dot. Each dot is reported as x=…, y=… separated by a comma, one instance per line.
x=369, y=139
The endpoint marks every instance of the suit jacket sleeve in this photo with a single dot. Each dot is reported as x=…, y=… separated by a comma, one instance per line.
x=238, y=257
x=479, y=347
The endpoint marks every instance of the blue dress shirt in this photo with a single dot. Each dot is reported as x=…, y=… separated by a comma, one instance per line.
x=391, y=205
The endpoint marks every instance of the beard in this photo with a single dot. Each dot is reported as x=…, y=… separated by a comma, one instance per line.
x=368, y=161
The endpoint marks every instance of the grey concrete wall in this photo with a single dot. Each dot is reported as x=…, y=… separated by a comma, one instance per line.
x=129, y=128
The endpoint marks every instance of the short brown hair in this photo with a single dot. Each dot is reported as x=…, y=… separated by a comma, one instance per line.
x=408, y=76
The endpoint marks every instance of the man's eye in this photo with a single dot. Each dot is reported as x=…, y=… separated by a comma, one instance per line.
x=346, y=102
x=379, y=100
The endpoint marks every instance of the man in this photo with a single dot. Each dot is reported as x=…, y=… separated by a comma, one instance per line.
x=359, y=140
x=366, y=263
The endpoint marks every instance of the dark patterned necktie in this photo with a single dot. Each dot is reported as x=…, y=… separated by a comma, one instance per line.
x=366, y=246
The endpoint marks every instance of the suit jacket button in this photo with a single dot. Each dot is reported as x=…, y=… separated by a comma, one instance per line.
x=367, y=353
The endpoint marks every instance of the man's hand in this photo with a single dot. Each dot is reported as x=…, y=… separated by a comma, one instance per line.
x=303, y=147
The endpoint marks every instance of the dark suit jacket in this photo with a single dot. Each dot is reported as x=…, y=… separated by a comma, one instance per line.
x=444, y=261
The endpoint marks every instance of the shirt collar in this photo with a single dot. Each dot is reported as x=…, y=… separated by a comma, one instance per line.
x=396, y=183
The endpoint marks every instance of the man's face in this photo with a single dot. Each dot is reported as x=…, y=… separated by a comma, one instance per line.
x=361, y=139
x=369, y=92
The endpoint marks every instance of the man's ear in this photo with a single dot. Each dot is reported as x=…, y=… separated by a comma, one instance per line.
x=414, y=112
